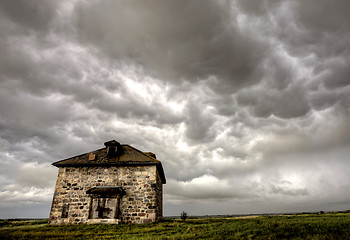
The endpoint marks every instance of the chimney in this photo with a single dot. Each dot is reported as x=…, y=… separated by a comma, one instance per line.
x=114, y=149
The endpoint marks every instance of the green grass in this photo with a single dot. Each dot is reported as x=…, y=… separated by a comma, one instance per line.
x=309, y=226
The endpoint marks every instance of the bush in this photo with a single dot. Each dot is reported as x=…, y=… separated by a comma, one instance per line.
x=183, y=216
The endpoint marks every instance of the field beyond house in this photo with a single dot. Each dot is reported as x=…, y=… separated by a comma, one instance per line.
x=307, y=226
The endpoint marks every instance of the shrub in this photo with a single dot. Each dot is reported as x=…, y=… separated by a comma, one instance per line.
x=183, y=216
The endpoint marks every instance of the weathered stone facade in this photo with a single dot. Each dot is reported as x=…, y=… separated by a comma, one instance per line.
x=114, y=189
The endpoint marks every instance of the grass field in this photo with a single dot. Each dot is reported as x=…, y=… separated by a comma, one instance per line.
x=307, y=226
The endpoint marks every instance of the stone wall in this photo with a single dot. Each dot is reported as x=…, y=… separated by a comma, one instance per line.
x=141, y=204
x=159, y=197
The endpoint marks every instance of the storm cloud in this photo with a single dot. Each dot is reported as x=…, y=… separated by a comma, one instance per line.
x=247, y=104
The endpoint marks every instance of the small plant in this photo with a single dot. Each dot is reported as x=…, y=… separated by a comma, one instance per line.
x=183, y=216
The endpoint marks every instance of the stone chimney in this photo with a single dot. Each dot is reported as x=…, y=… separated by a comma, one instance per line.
x=114, y=149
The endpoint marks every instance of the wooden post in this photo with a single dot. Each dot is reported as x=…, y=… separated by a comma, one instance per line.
x=117, y=215
x=91, y=208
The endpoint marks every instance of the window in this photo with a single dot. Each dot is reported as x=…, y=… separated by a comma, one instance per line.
x=105, y=201
x=104, y=208
x=65, y=209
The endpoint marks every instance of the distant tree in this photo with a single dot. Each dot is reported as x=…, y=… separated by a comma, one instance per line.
x=183, y=216
x=322, y=212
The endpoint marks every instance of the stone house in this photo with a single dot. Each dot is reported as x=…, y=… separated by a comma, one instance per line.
x=115, y=184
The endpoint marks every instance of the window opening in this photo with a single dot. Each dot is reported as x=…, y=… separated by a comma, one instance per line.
x=65, y=209
x=105, y=202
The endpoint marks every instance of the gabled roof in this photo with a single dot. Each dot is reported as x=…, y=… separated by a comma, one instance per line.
x=130, y=156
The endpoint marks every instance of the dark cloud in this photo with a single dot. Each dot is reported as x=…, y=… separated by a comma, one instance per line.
x=199, y=123
x=288, y=103
x=174, y=41
x=28, y=16
x=319, y=16
x=241, y=101
x=337, y=76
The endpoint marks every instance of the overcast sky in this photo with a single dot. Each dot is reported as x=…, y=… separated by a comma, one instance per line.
x=246, y=103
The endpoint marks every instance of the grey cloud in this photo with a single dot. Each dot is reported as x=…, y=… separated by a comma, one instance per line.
x=204, y=187
x=288, y=103
x=311, y=29
x=52, y=79
x=313, y=26
x=27, y=15
x=320, y=29
x=338, y=72
x=24, y=185
x=326, y=16
x=188, y=40
x=320, y=137
x=199, y=123
x=34, y=174
x=284, y=188
x=258, y=8
x=131, y=106
x=27, y=195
